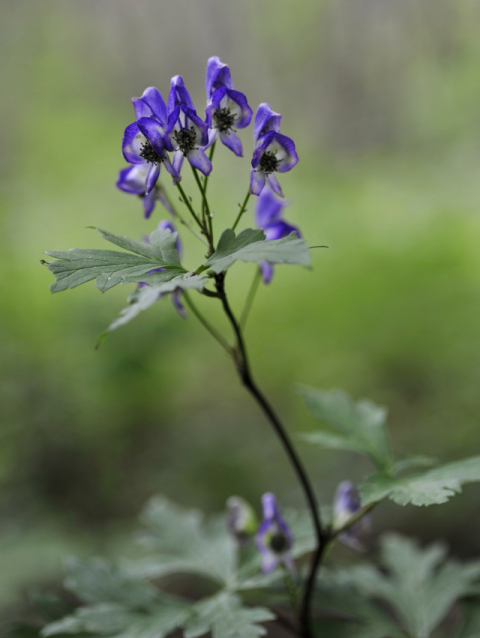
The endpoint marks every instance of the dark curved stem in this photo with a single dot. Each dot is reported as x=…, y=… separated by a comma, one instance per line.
x=243, y=367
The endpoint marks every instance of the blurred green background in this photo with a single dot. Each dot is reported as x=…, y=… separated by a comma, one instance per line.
x=383, y=100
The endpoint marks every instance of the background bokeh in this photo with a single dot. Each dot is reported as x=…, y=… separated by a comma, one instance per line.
x=383, y=100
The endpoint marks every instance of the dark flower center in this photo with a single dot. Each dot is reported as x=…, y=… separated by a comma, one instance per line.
x=224, y=119
x=149, y=154
x=185, y=138
x=268, y=162
x=279, y=542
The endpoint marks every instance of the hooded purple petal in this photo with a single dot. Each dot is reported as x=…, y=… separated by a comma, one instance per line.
x=266, y=270
x=269, y=208
x=178, y=95
x=151, y=104
x=218, y=74
x=266, y=120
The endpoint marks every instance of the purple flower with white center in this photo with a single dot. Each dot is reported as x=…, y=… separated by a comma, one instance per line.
x=218, y=75
x=274, y=538
x=143, y=143
x=132, y=180
x=268, y=215
x=228, y=108
x=143, y=140
x=266, y=121
x=346, y=504
x=186, y=134
x=274, y=153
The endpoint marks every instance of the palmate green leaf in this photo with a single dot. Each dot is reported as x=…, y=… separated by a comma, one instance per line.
x=251, y=246
x=117, y=621
x=110, y=267
x=119, y=604
x=145, y=297
x=421, y=587
x=224, y=616
x=433, y=487
x=358, y=427
x=182, y=542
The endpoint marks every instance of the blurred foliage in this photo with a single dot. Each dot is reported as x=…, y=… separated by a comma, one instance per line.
x=383, y=99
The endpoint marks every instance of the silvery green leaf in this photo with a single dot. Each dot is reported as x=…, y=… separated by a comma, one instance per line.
x=224, y=616
x=145, y=297
x=357, y=427
x=110, y=267
x=421, y=586
x=435, y=486
x=250, y=246
x=181, y=541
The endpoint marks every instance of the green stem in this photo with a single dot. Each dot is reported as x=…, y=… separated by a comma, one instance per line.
x=182, y=220
x=242, y=210
x=215, y=334
x=207, y=218
x=351, y=521
x=250, y=297
x=189, y=206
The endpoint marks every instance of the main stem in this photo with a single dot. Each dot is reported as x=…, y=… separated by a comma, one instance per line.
x=243, y=367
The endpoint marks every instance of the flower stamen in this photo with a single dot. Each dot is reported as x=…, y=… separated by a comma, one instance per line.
x=186, y=139
x=224, y=120
x=149, y=154
x=269, y=162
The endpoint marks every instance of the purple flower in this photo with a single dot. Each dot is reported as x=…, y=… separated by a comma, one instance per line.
x=226, y=108
x=268, y=214
x=143, y=141
x=274, y=153
x=218, y=75
x=346, y=504
x=274, y=538
x=132, y=180
x=186, y=134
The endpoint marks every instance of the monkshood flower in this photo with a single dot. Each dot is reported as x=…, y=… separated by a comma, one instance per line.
x=268, y=216
x=132, y=180
x=274, y=152
x=241, y=520
x=274, y=538
x=143, y=142
x=346, y=504
x=226, y=108
x=186, y=134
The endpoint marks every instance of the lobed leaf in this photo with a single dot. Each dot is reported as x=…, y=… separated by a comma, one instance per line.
x=434, y=487
x=224, y=616
x=359, y=427
x=251, y=246
x=109, y=267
